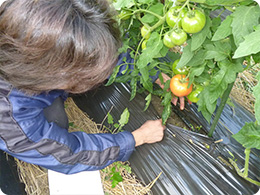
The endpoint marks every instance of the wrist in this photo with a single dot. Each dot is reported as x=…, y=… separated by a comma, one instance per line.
x=138, y=138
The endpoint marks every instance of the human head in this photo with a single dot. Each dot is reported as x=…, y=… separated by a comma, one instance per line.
x=57, y=44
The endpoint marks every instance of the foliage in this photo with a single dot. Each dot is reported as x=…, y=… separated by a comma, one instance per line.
x=113, y=172
x=215, y=55
x=117, y=126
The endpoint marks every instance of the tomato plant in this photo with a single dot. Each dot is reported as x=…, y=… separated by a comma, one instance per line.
x=214, y=48
x=193, y=21
x=184, y=70
x=179, y=85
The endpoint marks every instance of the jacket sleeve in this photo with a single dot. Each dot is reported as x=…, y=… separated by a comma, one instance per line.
x=26, y=135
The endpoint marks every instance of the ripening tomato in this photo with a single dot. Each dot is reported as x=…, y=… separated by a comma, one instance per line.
x=179, y=85
x=172, y=16
x=193, y=21
x=125, y=14
x=145, y=32
x=167, y=41
x=194, y=95
x=178, y=36
x=184, y=70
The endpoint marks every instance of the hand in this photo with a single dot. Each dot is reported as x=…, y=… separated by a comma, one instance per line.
x=150, y=132
x=175, y=99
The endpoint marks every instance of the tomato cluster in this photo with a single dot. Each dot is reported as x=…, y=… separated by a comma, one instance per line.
x=181, y=21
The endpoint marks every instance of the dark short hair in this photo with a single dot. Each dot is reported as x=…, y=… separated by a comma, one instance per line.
x=57, y=44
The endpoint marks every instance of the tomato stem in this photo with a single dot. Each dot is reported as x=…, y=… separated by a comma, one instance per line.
x=149, y=12
x=220, y=108
x=179, y=14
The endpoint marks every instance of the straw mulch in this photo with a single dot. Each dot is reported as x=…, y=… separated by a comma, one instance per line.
x=36, y=179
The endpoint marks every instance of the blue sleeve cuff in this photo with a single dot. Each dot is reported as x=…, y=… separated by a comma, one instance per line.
x=127, y=145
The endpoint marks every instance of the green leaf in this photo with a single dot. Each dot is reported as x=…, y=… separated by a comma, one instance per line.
x=166, y=112
x=148, y=101
x=153, y=48
x=110, y=119
x=244, y=20
x=198, y=38
x=220, y=80
x=249, y=46
x=222, y=2
x=256, y=93
x=256, y=57
x=186, y=55
x=167, y=98
x=119, y=4
x=249, y=136
x=133, y=85
x=124, y=117
x=116, y=125
x=149, y=18
x=145, y=80
x=196, y=71
x=113, y=76
x=223, y=30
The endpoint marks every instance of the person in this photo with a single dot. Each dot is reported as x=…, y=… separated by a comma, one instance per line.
x=48, y=49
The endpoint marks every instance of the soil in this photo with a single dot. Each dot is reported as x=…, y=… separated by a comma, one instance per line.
x=173, y=119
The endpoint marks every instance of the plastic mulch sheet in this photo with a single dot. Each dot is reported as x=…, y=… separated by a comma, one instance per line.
x=187, y=162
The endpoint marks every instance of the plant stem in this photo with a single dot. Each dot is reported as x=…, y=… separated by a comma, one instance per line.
x=149, y=12
x=220, y=108
x=247, y=153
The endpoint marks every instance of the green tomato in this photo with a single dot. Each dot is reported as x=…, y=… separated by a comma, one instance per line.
x=125, y=14
x=172, y=16
x=194, y=95
x=193, y=21
x=167, y=41
x=145, y=32
x=184, y=70
x=178, y=36
x=144, y=44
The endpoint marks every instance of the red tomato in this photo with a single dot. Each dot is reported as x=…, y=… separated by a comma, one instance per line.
x=179, y=85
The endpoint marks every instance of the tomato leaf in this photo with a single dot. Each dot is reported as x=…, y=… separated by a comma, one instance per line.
x=198, y=38
x=249, y=45
x=244, y=20
x=113, y=76
x=154, y=46
x=256, y=93
x=148, y=99
x=133, y=85
x=145, y=79
x=223, y=30
x=221, y=2
x=249, y=135
x=166, y=112
x=110, y=119
x=122, y=3
x=149, y=18
x=124, y=117
x=186, y=55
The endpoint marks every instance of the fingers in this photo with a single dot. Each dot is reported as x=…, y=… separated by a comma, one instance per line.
x=174, y=100
x=182, y=103
x=150, y=132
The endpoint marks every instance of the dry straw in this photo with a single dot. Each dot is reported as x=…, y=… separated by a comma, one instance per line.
x=36, y=179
